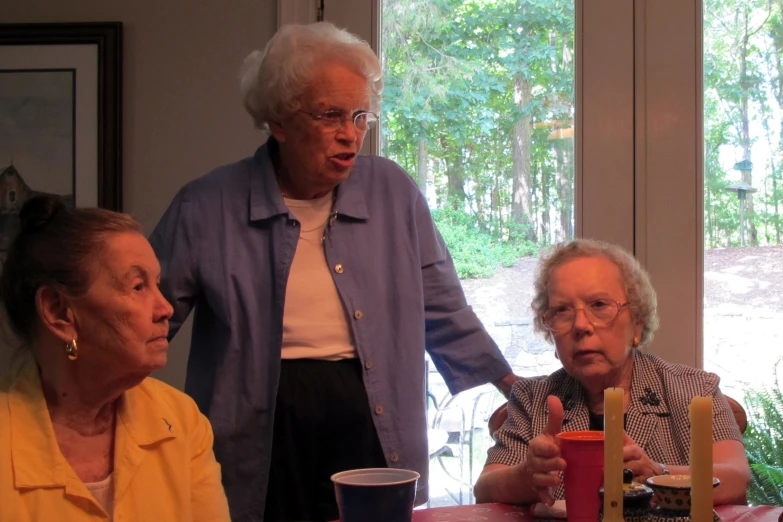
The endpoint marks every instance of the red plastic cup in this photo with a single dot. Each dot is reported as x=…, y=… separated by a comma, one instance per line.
x=583, y=452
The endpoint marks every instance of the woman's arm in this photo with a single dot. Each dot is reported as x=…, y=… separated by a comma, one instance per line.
x=459, y=345
x=175, y=246
x=729, y=464
x=729, y=461
x=536, y=477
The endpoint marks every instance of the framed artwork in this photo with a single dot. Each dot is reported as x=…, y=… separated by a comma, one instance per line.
x=60, y=116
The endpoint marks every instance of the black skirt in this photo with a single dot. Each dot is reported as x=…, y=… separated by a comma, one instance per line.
x=323, y=425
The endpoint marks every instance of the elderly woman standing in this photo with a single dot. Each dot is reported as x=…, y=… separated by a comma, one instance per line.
x=84, y=433
x=318, y=279
x=597, y=304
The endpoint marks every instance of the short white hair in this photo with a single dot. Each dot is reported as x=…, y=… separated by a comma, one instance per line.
x=642, y=301
x=272, y=80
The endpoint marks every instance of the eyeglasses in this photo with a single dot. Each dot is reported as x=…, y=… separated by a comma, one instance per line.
x=335, y=119
x=600, y=313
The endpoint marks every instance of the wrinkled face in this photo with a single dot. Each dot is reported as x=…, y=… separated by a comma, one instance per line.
x=321, y=158
x=591, y=353
x=123, y=320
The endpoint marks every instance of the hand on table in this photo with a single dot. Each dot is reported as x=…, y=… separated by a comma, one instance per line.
x=543, y=455
x=635, y=459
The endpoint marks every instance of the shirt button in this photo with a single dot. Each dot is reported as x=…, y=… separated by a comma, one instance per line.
x=394, y=457
x=368, y=364
x=338, y=268
x=379, y=410
x=358, y=314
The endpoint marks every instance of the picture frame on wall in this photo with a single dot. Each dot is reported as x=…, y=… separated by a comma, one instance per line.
x=60, y=116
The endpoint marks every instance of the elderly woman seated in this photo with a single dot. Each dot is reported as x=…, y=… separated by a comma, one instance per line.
x=597, y=304
x=84, y=433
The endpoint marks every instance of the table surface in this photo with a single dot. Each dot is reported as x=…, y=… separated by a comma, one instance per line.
x=507, y=513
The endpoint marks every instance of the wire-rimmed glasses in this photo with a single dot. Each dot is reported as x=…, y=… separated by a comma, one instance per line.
x=335, y=119
x=600, y=313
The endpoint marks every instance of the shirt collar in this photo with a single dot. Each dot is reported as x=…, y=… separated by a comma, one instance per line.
x=35, y=453
x=266, y=200
x=646, y=403
x=147, y=420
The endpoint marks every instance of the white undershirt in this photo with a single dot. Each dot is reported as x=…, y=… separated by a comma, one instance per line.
x=315, y=323
x=103, y=492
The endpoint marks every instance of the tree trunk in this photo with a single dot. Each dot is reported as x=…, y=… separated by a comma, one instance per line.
x=480, y=195
x=422, y=168
x=777, y=88
x=777, y=209
x=496, y=204
x=545, y=218
x=747, y=175
x=708, y=207
x=454, y=175
x=565, y=189
x=521, y=205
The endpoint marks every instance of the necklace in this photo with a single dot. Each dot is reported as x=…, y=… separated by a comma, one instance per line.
x=330, y=217
x=303, y=231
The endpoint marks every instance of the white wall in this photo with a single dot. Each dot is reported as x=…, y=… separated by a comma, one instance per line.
x=182, y=115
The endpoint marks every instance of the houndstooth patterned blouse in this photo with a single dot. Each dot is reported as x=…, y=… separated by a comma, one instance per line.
x=657, y=412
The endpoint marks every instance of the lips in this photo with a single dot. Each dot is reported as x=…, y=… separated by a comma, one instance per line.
x=584, y=353
x=343, y=160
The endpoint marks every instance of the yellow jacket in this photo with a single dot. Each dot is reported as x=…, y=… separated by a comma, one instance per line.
x=164, y=467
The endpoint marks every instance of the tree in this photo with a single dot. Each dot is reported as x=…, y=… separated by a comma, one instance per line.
x=732, y=29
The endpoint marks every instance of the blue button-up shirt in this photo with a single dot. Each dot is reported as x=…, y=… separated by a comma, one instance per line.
x=226, y=245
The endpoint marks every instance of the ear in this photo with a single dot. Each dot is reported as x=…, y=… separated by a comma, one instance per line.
x=55, y=313
x=276, y=128
x=638, y=328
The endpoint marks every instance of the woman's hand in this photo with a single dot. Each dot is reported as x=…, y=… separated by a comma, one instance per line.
x=544, y=462
x=635, y=459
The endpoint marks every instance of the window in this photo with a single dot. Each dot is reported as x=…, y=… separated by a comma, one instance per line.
x=555, y=125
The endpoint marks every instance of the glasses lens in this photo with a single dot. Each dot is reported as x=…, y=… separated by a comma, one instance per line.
x=603, y=311
x=332, y=119
x=365, y=121
x=559, y=319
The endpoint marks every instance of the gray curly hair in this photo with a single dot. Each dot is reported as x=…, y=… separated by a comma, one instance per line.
x=272, y=80
x=643, y=303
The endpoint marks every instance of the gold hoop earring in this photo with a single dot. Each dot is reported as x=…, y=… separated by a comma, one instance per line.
x=72, y=350
x=635, y=342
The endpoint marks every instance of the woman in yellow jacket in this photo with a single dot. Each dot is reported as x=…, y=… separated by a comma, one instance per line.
x=85, y=434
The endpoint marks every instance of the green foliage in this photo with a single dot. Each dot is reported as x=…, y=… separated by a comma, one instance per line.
x=454, y=71
x=764, y=446
x=478, y=93
x=476, y=252
x=743, y=99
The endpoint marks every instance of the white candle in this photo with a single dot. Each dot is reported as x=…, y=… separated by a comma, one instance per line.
x=613, y=454
x=701, y=459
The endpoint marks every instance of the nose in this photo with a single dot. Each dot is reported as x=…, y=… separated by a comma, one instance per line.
x=163, y=309
x=581, y=322
x=347, y=132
